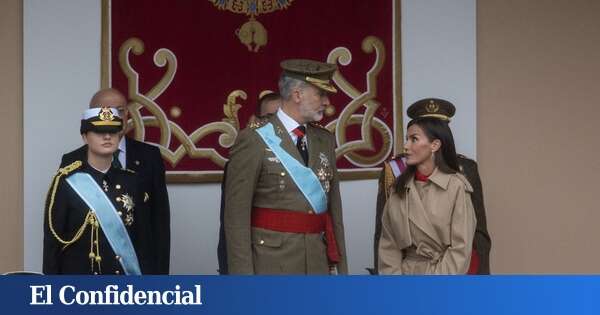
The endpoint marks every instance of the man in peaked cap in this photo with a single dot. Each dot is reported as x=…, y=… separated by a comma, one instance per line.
x=282, y=211
x=95, y=214
x=444, y=110
x=145, y=160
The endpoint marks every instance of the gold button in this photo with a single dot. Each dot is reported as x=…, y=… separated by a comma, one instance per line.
x=118, y=199
x=282, y=173
x=137, y=162
x=117, y=272
x=261, y=242
x=117, y=257
x=310, y=212
x=120, y=213
x=118, y=186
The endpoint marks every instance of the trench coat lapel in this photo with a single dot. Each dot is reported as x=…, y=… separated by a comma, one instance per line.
x=286, y=140
x=417, y=214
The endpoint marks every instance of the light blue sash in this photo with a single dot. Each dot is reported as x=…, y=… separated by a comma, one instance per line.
x=303, y=176
x=112, y=226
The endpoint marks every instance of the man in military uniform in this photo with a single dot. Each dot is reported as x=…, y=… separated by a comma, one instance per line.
x=283, y=212
x=95, y=219
x=268, y=103
x=146, y=161
x=392, y=169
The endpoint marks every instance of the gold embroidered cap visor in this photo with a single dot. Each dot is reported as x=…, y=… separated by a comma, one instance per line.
x=431, y=107
x=314, y=72
x=101, y=120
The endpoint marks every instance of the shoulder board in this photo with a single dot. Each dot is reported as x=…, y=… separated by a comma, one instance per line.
x=69, y=168
x=258, y=123
x=317, y=125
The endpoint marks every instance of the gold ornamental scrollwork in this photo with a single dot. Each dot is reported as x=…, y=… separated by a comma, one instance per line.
x=228, y=128
x=349, y=116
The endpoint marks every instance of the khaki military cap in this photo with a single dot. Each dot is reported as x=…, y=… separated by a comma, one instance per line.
x=314, y=72
x=431, y=107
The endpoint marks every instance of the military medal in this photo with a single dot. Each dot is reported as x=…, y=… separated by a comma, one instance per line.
x=273, y=159
x=324, y=172
x=127, y=205
x=303, y=143
x=324, y=159
x=322, y=175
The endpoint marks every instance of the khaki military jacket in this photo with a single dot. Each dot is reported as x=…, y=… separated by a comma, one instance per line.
x=256, y=178
x=430, y=230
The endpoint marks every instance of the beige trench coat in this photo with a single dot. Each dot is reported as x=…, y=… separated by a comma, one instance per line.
x=430, y=230
x=256, y=178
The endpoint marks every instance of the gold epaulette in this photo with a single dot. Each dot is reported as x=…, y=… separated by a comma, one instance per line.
x=64, y=171
x=388, y=178
x=258, y=123
x=69, y=168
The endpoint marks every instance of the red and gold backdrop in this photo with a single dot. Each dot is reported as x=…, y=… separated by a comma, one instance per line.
x=193, y=71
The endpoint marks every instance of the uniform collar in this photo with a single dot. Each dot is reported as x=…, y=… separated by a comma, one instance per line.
x=288, y=122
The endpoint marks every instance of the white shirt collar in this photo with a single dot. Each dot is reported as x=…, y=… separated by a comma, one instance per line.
x=288, y=122
x=122, y=144
x=122, y=154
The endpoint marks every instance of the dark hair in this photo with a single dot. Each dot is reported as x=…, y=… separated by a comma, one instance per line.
x=445, y=159
x=265, y=98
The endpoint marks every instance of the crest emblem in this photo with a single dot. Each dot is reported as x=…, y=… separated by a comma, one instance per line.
x=106, y=114
x=432, y=107
x=252, y=32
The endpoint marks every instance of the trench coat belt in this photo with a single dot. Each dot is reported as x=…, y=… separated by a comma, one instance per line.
x=298, y=222
x=422, y=253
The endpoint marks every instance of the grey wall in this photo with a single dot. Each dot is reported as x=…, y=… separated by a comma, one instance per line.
x=62, y=55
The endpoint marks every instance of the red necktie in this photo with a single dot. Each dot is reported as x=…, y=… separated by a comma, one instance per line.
x=300, y=131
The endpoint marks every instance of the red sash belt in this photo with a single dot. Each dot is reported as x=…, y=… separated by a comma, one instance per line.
x=298, y=222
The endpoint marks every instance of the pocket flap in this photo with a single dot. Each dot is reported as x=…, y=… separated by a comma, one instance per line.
x=267, y=239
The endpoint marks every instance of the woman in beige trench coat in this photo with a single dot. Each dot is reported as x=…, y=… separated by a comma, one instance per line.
x=428, y=223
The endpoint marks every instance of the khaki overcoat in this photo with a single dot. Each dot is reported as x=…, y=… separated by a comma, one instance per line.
x=430, y=230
